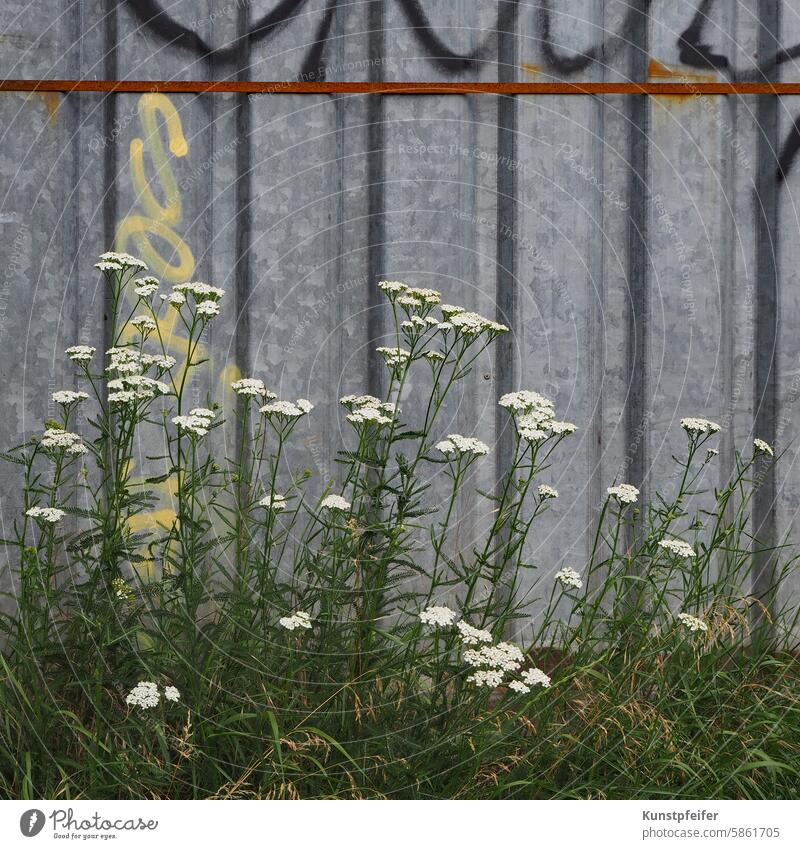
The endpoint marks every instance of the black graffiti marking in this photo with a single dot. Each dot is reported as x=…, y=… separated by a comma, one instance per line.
x=165, y=26
x=691, y=50
x=698, y=55
x=567, y=65
x=789, y=152
x=152, y=15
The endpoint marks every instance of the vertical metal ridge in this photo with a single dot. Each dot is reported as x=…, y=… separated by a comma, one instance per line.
x=637, y=113
x=766, y=317
x=110, y=36
x=376, y=171
x=506, y=288
x=506, y=292
x=243, y=196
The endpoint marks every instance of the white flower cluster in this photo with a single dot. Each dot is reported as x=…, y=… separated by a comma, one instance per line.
x=286, y=409
x=395, y=358
x=504, y=656
x=525, y=401
x=300, y=619
x=545, y=491
x=472, y=636
x=67, y=396
x=200, y=291
x=457, y=444
x=145, y=287
x=762, y=447
x=161, y=362
x=367, y=409
x=490, y=662
x=54, y=437
x=253, y=387
x=124, y=361
x=135, y=387
x=80, y=353
x=493, y=662
x=171, y=693
x=113, y=261
x=275, y=502
x=438, y=616
x=46, y=514
x=535, y=415
x=121, y=590
x=692, y=622
x=449, y=310
x=143, y=323
x=677, y=546
x=625, y=493
x=146, y=695
x=197, y=422
x=208, y=308
x=472, y=324
x=568, y=577
x=530, y=678
x=535, y=676
x=486, y=678
x=392, y=288
x=696, y=425
x=205, y=297
x=334, y=502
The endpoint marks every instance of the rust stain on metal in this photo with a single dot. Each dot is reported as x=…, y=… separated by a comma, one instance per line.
x=397, y=88
x=658, y=70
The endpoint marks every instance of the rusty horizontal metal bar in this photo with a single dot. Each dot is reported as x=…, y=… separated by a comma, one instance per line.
x=319, y=87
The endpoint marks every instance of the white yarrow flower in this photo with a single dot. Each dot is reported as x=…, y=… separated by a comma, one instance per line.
x=145, y=287
x=392, y=288
x=144, y=695
x=334, y=502
x=504, y=656
x=57, y=438
x=197, y=422
x=275, y=502
x=80, y=353
x=677, y=546
x=568, y=577
x=208, y=308
x=472, y=636
x=457, y=444
x=123, y=260
x=486, y=678
x=252, y=386
x=46, y=514
x=299, y=619
x=438, y=616
x=287, y=409
x=695, y=425
x=171, y=693
x=535, y=676
x=762, y=447
x=67, y=396
x=625, y=493
x=545, y=491
x=692, y=622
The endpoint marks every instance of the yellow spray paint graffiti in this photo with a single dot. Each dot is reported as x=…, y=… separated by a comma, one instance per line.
x=150, y=224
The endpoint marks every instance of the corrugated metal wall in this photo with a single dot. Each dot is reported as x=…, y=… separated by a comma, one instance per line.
x=644, y=250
